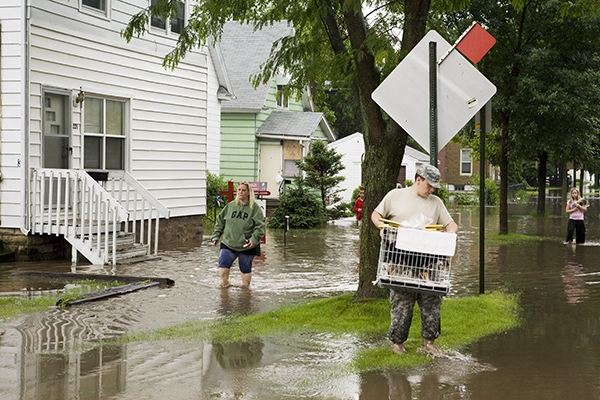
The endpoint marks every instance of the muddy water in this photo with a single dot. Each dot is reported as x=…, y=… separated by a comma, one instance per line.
x=554, y=355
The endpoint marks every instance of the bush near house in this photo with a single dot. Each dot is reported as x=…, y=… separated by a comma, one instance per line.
x=214, y=201
x=302, y=205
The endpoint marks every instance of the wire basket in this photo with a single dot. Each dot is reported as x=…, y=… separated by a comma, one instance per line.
x=415, y=259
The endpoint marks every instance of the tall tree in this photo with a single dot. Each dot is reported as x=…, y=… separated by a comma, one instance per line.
x=545, y=65
x=332, y=42
x=321, y=167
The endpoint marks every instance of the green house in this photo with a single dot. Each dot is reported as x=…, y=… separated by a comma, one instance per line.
x=263, y=133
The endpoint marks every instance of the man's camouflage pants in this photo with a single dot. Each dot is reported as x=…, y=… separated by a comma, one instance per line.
x=403, y=303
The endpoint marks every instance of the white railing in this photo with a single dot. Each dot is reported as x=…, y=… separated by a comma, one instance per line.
x=71, y=203
x=144, y=209
x=91, y=213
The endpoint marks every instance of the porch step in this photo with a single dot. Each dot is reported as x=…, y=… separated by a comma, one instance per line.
x=127, y=251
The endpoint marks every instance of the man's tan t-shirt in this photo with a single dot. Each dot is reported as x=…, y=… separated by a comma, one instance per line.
x=401, y=204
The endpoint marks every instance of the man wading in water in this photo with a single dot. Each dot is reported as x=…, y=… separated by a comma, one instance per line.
x=400, y=205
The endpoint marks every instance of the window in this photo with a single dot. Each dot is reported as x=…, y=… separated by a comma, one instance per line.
x=175, y=24
x=104, y=133
x=292, y=152
x=97, y=4
x=282, y=100
x=466, y=165
x=98, y=8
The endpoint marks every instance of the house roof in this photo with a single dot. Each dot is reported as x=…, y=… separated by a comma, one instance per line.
x=354, y=136
x=408, y=151
x=244, y=50
x=296, y=125
x=416, y=154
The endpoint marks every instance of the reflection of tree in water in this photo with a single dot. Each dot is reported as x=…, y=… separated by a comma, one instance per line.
x=574, y=284
x=238, y=354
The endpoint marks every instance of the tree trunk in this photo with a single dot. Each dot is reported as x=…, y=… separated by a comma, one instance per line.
x=565, y=184
x=384, y=149
x=542, y=169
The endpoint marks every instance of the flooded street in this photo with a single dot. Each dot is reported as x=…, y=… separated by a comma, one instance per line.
x=553, y=355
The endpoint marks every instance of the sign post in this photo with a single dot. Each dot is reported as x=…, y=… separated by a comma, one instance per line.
x=463, y=91
x=433, y=124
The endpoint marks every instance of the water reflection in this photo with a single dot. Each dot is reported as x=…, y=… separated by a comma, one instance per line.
x=236, y=300
x=60, y=354
x=238, y=355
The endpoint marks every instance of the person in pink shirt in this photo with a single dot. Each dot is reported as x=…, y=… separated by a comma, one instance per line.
x=576, y=207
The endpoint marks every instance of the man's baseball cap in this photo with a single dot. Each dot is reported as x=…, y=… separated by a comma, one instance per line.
x=431, y=174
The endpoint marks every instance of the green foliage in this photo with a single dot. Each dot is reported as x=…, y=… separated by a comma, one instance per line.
x=512, y=238
x=340, y=210
x=465, y=199
x=214, y=201
x=301, y=205
x=466, y=320
x=321, y=167
x=355, y=195
x=408, y=183
x=522, y=196
x=343, y=111
x=492, y=193
x=443, y=193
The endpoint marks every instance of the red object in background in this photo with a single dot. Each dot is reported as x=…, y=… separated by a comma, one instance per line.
x=229, y=192
x=476, y=43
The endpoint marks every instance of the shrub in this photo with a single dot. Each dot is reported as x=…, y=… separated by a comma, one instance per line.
x=465, y=199
x=214, y=201
x=492, y=194
x=302, y=206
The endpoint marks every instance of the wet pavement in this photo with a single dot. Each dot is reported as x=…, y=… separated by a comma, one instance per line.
x=553, y=355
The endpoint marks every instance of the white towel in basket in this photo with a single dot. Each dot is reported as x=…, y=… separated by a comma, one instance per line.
x=430, y=242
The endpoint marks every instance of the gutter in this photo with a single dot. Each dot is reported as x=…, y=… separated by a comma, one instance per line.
x=23, y=163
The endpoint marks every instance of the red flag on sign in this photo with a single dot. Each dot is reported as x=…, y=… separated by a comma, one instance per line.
x=476, y=43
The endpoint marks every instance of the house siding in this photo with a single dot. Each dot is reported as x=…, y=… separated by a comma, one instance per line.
x=167, y=148
x=239, y=150
x=213, y=122
x=451, y=166
x=12, y=114
x=351, y=148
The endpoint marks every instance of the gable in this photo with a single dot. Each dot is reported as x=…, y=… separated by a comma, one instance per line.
x=244, y=50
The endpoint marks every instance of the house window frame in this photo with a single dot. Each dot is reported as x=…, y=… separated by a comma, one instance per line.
x=168, y=26
x=104, y=136
x=282, y=101
x=97, y=12
x=466, y=160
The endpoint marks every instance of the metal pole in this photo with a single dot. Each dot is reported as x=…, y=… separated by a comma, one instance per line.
x=482, y=132
x=433, y=126
x=286, y=227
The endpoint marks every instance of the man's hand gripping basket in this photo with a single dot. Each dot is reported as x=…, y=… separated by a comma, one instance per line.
x=415, y=259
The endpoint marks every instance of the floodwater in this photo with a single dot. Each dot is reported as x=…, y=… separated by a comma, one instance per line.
x=555, y=354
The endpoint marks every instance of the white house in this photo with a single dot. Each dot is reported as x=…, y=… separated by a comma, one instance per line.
x=78, y=102
x=352, y=149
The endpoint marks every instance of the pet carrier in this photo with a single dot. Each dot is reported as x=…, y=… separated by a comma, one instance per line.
x=415, y=259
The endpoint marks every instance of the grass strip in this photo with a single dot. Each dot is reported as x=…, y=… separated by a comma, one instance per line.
x=11, y=307
x=464, y=320
x=513, y=238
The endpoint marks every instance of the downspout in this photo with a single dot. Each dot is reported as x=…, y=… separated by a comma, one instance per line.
x=0, y=113
x=23, y=163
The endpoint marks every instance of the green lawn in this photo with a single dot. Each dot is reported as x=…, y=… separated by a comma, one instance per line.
x=464, y=320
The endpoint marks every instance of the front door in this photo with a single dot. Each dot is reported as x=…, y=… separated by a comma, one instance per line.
x=270, y=167
x=55, y=130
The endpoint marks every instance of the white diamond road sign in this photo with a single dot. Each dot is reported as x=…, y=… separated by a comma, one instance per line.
x=462, y=92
